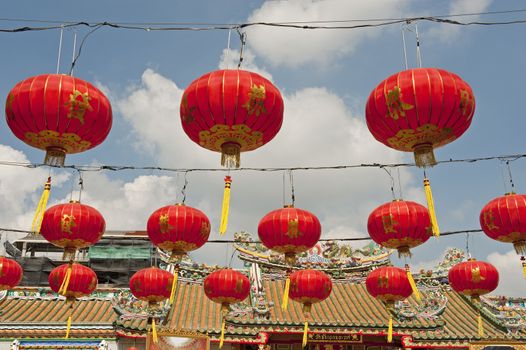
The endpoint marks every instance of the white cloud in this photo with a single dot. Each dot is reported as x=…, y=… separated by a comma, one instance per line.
x=230, y=60
x=512, y=282
x=294, y=47
x=448, y=32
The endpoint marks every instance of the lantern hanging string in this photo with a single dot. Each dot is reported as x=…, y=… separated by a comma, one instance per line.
x=76, y=57
x=510, y=176
x=60, y=48
x=292, y=194
x=392, y=182
x=243, y=39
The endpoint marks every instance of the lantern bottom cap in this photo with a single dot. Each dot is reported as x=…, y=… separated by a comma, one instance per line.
x=520, y=247
x=230, y=154
x=424, y=156
x=404, y=252
x=55, y=156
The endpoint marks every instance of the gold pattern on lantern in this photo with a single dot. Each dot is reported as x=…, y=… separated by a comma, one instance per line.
x=220, y=134
x=475, y=275
x=164, y=225
x=465, y=102
x=489, y=220
x=71, y=143
x=78, y=107
x=293, y=229
x=239, y=286
x=256, y=100
x=395, y=105
x=93, y=283
x=388, y=223
x=188, y=112
x=205, y=229
x=406, y=139
x=9, y=104
x=67, y=222
x=383, y=282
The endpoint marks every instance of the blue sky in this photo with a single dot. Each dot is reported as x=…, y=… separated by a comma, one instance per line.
x=325, y=77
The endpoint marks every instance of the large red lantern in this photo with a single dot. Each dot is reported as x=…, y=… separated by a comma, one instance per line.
x=226, y=286
x=72, y=226
x=420, y=109
x=309, y=287
x=504, y=219
x=10, y=273
x=388, y=284
x=58, y=113
x=152, y=285
x=474, y=278
x=400, y=225
x=73, y=281
x=178, y=229
x=231, y=111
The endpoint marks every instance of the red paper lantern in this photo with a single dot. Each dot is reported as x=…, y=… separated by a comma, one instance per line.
x=289, y=231
x=231, y=111
x=504, y=219
x=58, y=113
x=151, y=284
x=226, y=286
x=73, y=280
x=72, y=226
x=400, y=225
x=308, y=287
x=10, y=273
x=473, y=278
x=178, y=229
x=420, y=109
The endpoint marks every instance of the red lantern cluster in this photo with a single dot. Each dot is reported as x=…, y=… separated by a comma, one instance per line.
x=72, y=226
x=10, y=273
x=503, y=219
x=473, y=278
x=73, y=280
x=420, y=109
x=178, y=229
x=400, y=225
x=58, y=113
x=289, y=231
x=151, y=284
x=231, y=111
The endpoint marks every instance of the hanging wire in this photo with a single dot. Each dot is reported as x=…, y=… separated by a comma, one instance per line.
x=183, y=190
x=227, y=57
x=510, y=177
x=392, y=181
x=73, y=52
x=399, y=182
x=75, y=58
x=60, y=48
x=503, y=176
x=404, y=28
x=243, y=39
x=283, y=183
x=418, y=51
x=81, y=184
x=468, y=254
x=231, y=258
x=292, y=194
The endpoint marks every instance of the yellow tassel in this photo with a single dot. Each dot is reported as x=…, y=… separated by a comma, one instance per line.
x=431, y=208
x=305, y=334
x=68, y=328
x=154, y=332
x=523, y=260
x=285, y=303
x=416, y=292
x=390, y=330
x=226, y=206
x=480, y=325
x=222, y=337
x=41, y=207
x=174, y=286
x=65, y=283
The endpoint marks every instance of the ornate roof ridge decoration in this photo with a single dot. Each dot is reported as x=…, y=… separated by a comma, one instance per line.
x=128, y=307
x=45, y=293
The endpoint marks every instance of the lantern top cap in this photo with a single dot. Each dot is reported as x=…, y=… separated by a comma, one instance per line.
x=73, y=201
x=288, y=206
x=509, y=193
x=179, y=204
x=472, y=259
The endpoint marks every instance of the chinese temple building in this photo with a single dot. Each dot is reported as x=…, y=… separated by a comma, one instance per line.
x=33, y=317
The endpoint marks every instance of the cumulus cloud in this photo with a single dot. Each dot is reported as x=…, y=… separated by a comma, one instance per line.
x=511, y=282
x=446, y=32
x=295, y=47
x=230, y=59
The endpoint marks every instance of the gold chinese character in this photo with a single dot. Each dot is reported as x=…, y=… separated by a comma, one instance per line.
x=256, y=100
x=395, y=105
x=489, y=220
x=293, y=229
x=383, y=282
x=475, y=275
x=67, y=222
x=187, y=112
x=388, y=223
x=164, y=225
x=78, y=107
x=465, y=102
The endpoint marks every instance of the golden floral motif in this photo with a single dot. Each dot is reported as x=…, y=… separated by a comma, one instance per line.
x=77, y=107
x=512, y=237
x=289, y=248
x=293, y=230
x=187, y=114
x=164, y=225
x=396, y=107
x=388, y=223
x=241, y=134
x=402, y=242
x=67, y=222
x=205, y=229
x=256, y=100
x=9, y=105
x=407, y=139
x=71, y=243
x=239, y=286
x=465, y=102
x=178, y=247
x=475, y=275
x=71, y=143
x=489, y=220
x=93, y=283
x=383, y=282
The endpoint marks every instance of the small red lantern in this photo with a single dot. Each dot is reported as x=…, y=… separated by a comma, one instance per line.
x=73, y=281
x=389, y=284
x=58, y=113
x=231, y=111
x=308, y=287
x=503, y=219
x=474, y=278
x=178, y=229
x=226, y=286
x=420, y=109
x=10, y=273
x=72, y=226
x=289, y=231
x=400, y=225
